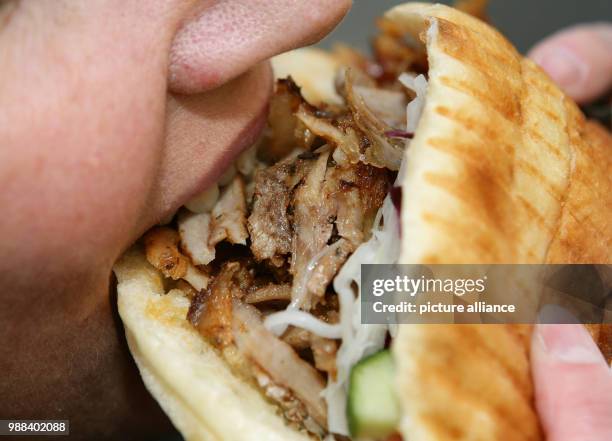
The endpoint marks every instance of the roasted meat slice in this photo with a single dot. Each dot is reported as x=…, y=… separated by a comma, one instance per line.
x=383, y=151
x=282, y=123
x=333, y=198
x=340, y=132
x=213, y=317
x=395, y=53
x=268, y=293
x=194, y=230
x=314, y=213
x=297, y=338
x=324, y=353
x=269, y=223
x=329, y=262
x=356, y=145
x=373, y=185
x=278, y=360
x=229, y=215
x=161, y=248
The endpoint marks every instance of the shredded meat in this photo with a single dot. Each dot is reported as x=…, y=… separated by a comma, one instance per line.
x=270, y=221
x=186, y=289
x=278, y=360
x=313, y=225
x=362, y=133
x=283, y=126
x=312, y=192
x=324, y=353
x=387, y=105
x=340, y=132
x=383, y=151
x=298, y=338
x=344, y=198
x=327, y=267
x=229, y=215
x=293, y=410
x=373, y=185
x=268, y=293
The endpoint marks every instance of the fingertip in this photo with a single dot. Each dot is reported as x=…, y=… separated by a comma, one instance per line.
x=578, y=59
x=573, y=384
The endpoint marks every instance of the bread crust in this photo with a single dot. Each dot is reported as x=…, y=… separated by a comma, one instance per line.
x=503, y=169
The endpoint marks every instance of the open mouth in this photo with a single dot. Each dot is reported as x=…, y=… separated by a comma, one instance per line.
x=270, y=256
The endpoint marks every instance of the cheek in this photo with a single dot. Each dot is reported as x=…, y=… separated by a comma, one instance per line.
x=82, y=137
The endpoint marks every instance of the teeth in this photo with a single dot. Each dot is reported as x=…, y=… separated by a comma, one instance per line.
x=246, y=161
x=205, y=201
x=227, y=177
x=339, y=157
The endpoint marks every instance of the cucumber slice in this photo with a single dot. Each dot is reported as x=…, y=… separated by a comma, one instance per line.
x=372, y=408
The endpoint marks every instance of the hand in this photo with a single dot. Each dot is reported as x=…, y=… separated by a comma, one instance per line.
x=579, y=60
x=573, y=384
x=114, y=112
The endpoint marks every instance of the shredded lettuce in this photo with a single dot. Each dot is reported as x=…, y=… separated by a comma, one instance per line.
x=359, y=340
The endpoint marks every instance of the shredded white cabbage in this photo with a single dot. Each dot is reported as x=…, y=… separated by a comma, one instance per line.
x=303, y=320
x=359, y=340
x=415, y=107
x=278, y=322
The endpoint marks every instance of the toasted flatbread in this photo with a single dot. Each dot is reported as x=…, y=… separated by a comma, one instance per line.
x=193, y=384
x=503, y=169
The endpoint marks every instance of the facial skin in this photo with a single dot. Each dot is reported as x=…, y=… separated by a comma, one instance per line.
x=114, y=112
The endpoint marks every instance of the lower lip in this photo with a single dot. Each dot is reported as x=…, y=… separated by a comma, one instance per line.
x=244, y=139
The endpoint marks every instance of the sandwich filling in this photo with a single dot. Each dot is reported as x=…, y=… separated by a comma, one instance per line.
x=270, y=257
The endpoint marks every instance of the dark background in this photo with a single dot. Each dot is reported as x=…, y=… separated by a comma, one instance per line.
x=524, y=22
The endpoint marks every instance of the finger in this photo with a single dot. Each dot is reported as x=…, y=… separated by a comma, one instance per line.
x=224, y=40
x=579, y=60
x=573, y=384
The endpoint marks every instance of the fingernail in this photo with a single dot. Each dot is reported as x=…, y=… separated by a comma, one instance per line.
x=556, y=314
x=563, y=66
x=568, y=344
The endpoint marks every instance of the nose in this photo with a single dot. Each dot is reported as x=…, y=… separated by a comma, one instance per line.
x=224, y=39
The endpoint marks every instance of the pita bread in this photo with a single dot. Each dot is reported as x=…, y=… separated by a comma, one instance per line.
x=194, y=385
x=503, y=168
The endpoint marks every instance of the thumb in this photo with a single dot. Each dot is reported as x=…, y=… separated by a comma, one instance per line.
x=573, y=384
x=579, y=60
